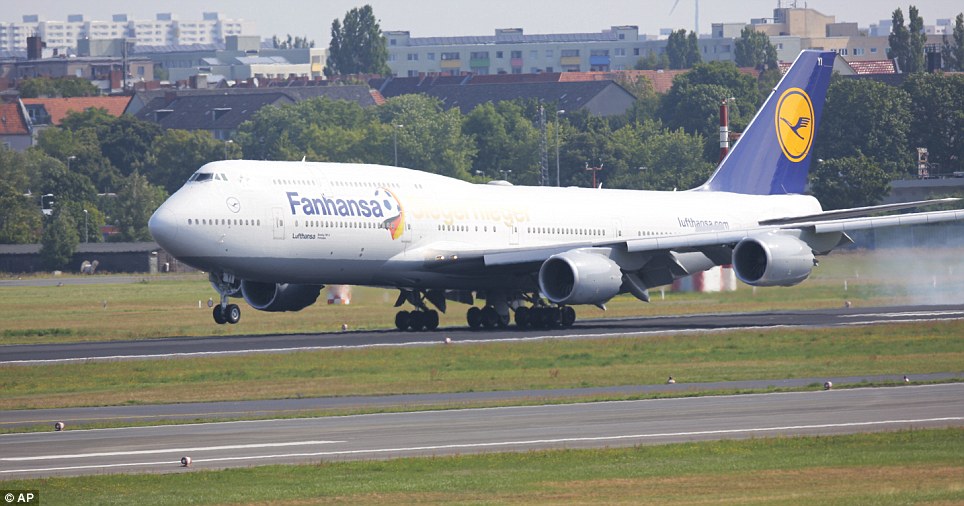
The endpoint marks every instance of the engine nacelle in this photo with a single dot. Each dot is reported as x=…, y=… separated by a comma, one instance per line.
x=772, y=260
x=279, y=296
x=579, y=277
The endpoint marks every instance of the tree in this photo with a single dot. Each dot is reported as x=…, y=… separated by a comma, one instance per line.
x=137, y=200
x=753, y=49
x=693, y=103
x=899, y=40
x=683, y=51
x=19, y=212
x=865, y=117
x=60, y=87
x=917, y=40
x=853, y=181
x=937, y=117
x=953, y=50
x=59, y=240
x=506, y=140
x=297, y=43
x=357, y=46
x=648, y=62
x=430, y=138
x=178, y=153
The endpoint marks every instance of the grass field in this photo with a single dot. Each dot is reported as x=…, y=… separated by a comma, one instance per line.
x=557, y=363
x=909, y=467
x=158, y=307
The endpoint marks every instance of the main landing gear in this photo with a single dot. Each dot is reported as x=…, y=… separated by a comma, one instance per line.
x=422, y=318
x=226, y=286
x=537, y=316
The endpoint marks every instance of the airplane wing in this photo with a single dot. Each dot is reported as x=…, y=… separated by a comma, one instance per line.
x=841, y=221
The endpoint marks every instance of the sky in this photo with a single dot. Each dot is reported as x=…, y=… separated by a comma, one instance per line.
x=432, y=18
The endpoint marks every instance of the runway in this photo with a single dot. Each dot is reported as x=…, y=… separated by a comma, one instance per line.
x=638, y=326
x=624, y=423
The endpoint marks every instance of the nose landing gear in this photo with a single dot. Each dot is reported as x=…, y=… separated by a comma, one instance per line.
x=226, y=285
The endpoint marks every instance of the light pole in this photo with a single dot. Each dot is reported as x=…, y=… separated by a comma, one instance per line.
x=395, y=138
x=86, y=235
x=505, y=174
x=229, y=141
x=560, y=111
x=69, y=158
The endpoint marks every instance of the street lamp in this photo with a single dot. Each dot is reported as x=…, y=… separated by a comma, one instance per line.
x=505, y=174
x=229, y=141
x=86, y=235
x=395, y=138
x=560, y=111
x=69, y=158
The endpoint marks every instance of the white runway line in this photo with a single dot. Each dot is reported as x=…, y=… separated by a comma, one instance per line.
x=469, y=446
x=166, y=450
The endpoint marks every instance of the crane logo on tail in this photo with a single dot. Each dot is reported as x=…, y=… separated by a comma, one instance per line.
x=794, y=124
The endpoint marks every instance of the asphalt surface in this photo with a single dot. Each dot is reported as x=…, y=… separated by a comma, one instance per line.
x=241, y=410
x=602, y=424
x=638, y=326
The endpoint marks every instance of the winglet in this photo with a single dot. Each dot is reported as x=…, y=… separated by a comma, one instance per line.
x=773, y=154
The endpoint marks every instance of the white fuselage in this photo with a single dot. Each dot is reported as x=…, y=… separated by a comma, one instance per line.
x=325, y=223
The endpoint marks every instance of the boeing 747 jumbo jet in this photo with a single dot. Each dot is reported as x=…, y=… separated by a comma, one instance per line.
x=275, y=233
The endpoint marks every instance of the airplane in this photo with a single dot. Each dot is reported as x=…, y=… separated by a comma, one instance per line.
x=275, y=232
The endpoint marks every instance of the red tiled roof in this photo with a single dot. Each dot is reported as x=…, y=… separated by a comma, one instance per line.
x=58, y=108
x=873, y=67
x=12, y=121
x=377, y=97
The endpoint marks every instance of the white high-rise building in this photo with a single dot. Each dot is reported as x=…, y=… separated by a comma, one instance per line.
x=164, y=29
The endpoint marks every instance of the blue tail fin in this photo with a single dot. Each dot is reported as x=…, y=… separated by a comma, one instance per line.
x=773, y=154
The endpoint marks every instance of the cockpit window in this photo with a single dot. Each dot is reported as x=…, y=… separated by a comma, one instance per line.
x=201, y=176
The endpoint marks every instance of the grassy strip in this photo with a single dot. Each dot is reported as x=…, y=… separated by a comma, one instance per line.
x=920, y=466
x=550, y=364
x=162, y=306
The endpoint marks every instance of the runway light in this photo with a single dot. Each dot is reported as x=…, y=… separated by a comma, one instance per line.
x=185, y=461
x=448, y=340
x=59, y=426
x=670, y=381
x=906, y=379
x=828, y=385
x=344, y=327
x=847, y=304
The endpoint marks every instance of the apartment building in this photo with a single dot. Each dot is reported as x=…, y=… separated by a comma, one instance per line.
x=164, y=29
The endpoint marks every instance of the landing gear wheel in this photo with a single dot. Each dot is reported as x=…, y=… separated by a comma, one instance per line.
x=567, y=316
x=219, y=315
x=474, y=317
x=522, y=317
x=401, y=320
x=431, y=320
x=232, y=314
x=489, y=317
x=417, y=321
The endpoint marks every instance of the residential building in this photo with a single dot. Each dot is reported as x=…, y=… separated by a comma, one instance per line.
x=240, y=58
x=511, y=51
x=47, y=112
x=164, y=29
x=105, y=73
x=15, y=128
x=599, y=98
x=222, y=111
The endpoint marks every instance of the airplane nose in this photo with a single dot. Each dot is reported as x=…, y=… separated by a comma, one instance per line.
x=163, y=227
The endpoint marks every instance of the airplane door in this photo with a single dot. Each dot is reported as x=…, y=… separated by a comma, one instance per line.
x=514, y=234
x=278, y=223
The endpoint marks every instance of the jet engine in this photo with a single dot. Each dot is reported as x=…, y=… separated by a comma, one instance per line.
x=579, y=277
x=772, y=260
x=279, y=296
